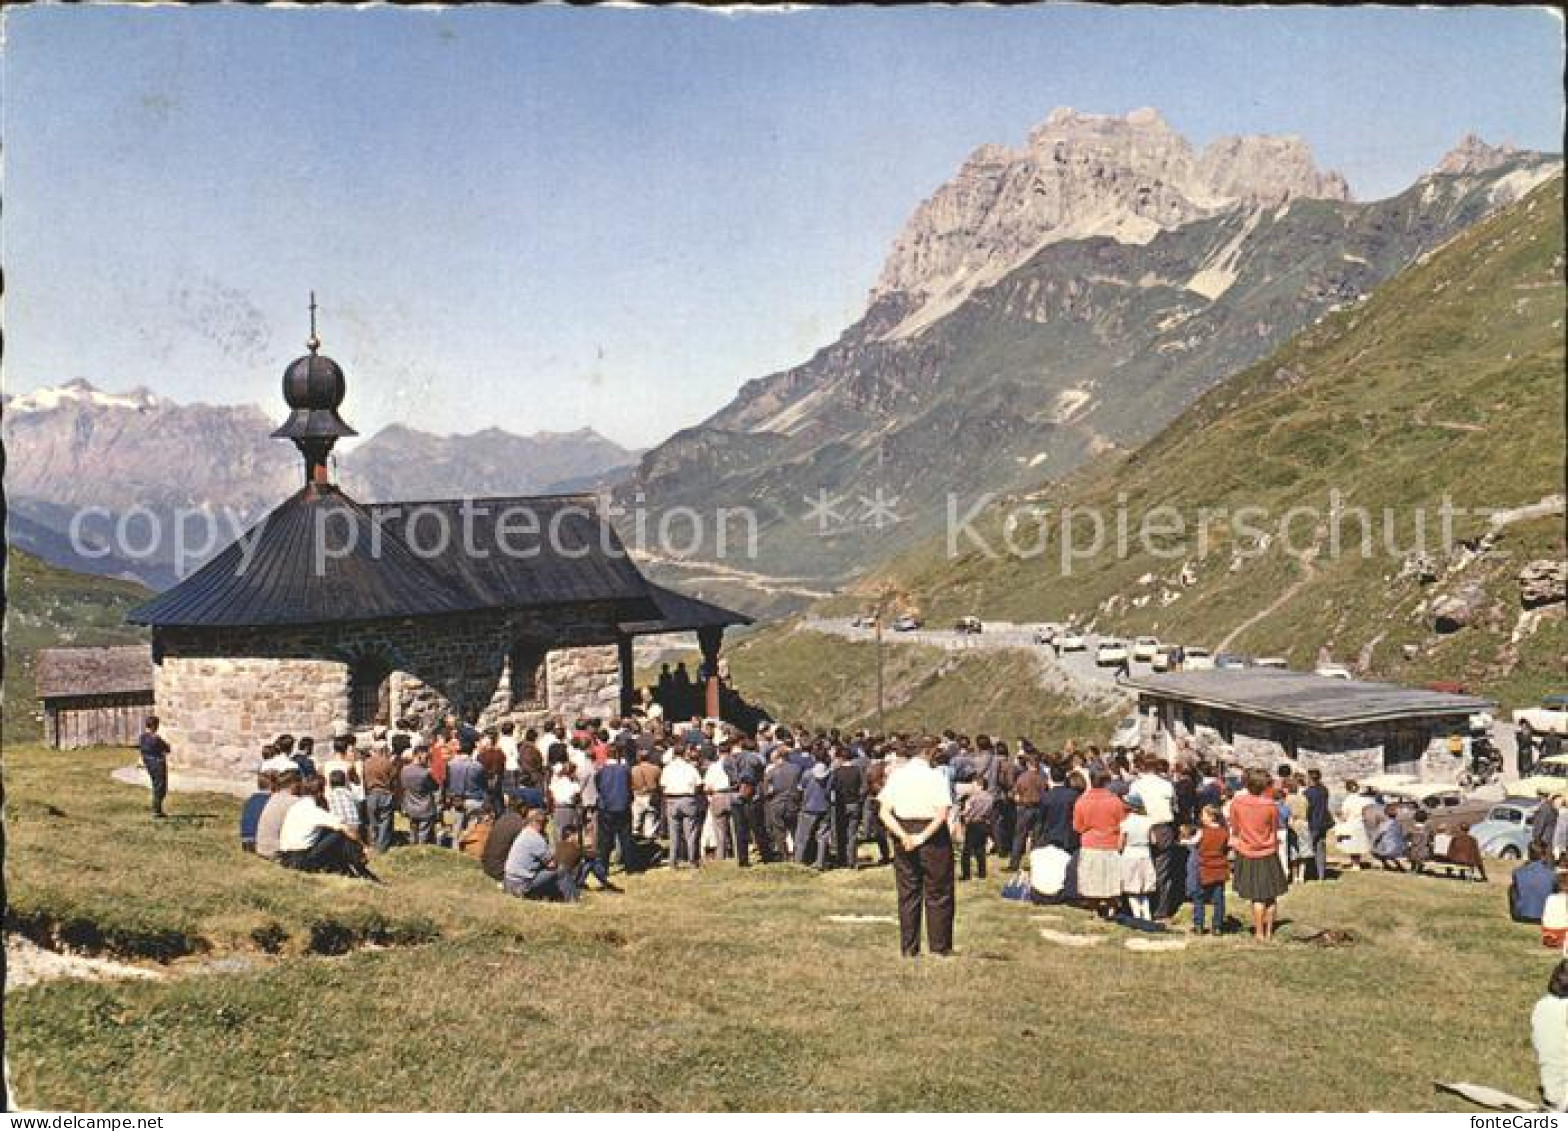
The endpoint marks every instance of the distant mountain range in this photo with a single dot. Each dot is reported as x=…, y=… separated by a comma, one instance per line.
x=1047, y=305
x=75, y=446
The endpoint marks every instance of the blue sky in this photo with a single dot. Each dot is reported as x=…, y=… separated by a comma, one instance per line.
x=549, y=218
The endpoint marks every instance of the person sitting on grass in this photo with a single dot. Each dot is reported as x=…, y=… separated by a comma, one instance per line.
x=1464, y=852
x=250, y=815
x=1418, y=842
x=1549, y=1035
x=313, y=839
x=1212, y=853
x=344, y=805
x=1389, y=847
x=503, y=833
x=530, y=866
x=269, y=826
x=1531, y=886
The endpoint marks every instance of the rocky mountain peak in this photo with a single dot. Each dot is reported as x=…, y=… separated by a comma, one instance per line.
x=79, y=393
x=1472, y=155
x=1127, y=177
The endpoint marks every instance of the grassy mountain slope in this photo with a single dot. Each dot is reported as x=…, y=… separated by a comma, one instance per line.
x=47, y=607
x=818, y=680
x=1447, y=382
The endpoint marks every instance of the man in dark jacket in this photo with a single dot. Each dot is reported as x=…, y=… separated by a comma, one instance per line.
x=1320, y=822
x=781, y=806
x=848, y=791
x=745, y=768
x=613, y=827
x=1056, y=816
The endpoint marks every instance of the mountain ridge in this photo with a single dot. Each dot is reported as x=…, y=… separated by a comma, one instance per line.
x=1091, y=344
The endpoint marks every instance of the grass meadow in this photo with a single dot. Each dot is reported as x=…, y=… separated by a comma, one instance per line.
x=718, y=990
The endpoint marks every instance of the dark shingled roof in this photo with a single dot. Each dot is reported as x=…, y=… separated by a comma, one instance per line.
x=1304, y=698
x=321, y=558
x=680, y=613
x=317, y=558
x=67, y=672
x=522, y=551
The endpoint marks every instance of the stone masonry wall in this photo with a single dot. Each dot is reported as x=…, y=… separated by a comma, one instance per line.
x=223, y=693
x=217, y=712
x=1342, y=754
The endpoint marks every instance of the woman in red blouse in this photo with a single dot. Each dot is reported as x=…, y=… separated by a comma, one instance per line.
x=1254, y=835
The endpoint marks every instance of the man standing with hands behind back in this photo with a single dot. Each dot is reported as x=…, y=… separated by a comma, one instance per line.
x=915, y=803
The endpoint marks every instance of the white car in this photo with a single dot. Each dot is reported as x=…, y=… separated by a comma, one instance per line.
x=1110, y=653
x=1072, y=640
x=1333, y=671
x=1128, y=734
x=1143, y=649
x=1197, y=660
x=1162, y=659
x=906, y=623
x=1279, y=663
x=1045, y=633
x=1551, y=717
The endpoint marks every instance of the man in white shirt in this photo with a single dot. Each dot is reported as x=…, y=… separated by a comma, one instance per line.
x=313, y=839
x=914, y=805
x=1153, y=786
x=681, y=784
x=716, y=788
x=509, y=749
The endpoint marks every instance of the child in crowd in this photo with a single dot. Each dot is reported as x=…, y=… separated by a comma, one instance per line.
x=1138, y=879
x=1213, y=857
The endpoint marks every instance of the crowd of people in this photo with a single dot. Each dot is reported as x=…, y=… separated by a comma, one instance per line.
x=549, y=810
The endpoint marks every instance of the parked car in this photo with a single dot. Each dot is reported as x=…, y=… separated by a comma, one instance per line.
x=906, y=623
x=1143, y=649
x=1279, y=663
x=1551, y=717
x=1198, y=660
x=1447, y=806
x=969, y=626
x=1333, y=671
x=864, y=620
x=1161, y=661
x=1128, y=734
x=1045, y=633
x=1072, y=640
x=1550, y=777
x=1232, y=662
x=1505, y=834
x=1111, y=653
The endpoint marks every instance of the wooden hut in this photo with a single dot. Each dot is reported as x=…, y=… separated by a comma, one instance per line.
x=95, y=696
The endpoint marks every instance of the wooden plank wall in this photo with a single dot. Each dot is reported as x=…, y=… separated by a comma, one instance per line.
x=95, y=720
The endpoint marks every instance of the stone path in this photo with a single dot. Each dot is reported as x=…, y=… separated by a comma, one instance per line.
x=181, y=781
x=27, y=963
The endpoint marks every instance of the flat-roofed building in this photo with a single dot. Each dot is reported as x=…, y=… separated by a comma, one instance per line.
x=1347, y=728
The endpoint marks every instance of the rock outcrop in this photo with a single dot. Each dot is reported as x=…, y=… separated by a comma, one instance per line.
x=1080, y=175
x=1472, y=155
x=1543, y=582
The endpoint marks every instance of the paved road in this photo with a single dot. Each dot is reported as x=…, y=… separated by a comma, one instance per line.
x=1072, y=671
